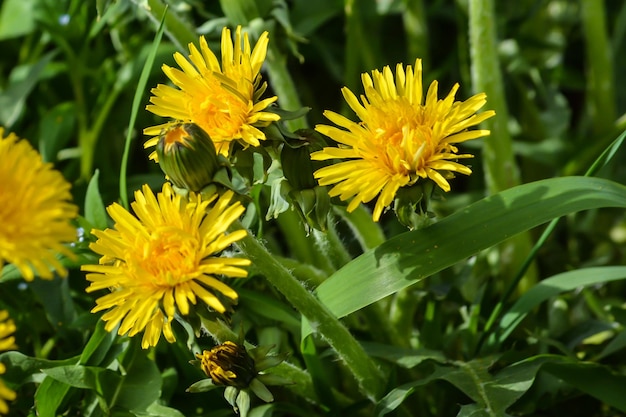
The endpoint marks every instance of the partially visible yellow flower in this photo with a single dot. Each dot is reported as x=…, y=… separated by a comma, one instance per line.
x=7, y=341
x=166, y=257
x=224, y=101
x=401, y=137
x=35, y=210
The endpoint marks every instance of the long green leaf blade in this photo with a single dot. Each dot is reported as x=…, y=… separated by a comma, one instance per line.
x=415, y=255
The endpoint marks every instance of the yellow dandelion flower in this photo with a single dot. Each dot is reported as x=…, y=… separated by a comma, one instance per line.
x=35, y=211
x=225, y=102
x=7, y=341
x=158, y=262
x=401, y=138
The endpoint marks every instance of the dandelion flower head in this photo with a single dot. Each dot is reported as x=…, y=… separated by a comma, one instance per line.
x=224, y=101
x=166, y=256
x=35, y=211
x=401, y=137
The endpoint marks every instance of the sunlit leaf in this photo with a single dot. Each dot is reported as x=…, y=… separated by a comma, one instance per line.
x=413, y=256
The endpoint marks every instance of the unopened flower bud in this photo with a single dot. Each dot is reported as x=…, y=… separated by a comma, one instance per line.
x=187, y=156
x=228, y=364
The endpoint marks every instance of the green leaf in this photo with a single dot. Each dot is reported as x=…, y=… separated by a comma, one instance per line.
x=55, y=130
x=319, y=374
x=474, y=410
x=17, y=18
x=396, y=396
x=22, y=81
x=413, y=256
x=158, y=410
x=494, y=394
x=98, y=345
x=56, y=297
x=142, y=383
x=202, y=386
x=139, y=91
x=20, y=367
x=49, y=396
x=86, y=377
x=406, y=358
x=555, y=285
x=95, y=212
x=260, y=304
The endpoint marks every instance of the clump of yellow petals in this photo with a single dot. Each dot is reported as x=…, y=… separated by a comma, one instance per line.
x=7, y=341
x=224, y=101
x=157, y=263
x=401, y=137
x=35, y=211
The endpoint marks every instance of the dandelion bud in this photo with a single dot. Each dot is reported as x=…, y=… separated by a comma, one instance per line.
x=228, y=364
x=241, y=371
x=187, y=156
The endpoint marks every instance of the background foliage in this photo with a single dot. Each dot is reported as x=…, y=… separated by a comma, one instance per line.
x=68, y=74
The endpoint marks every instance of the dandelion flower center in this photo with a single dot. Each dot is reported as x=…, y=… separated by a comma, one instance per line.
x=171, y=257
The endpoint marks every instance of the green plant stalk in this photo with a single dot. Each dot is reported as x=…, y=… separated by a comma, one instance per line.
x=329, y=244
x=177, y=30
x=416, y=30
x=363, y=368
x=141, y=85
x=501, y=170
x=601, y=91
x=359, y=52
x=300, y=245
x=283, y=85
x=303, y=385
x=306, y=273
x=86, y=140
x=367, y=232
x=403, y=310
x=374, y=314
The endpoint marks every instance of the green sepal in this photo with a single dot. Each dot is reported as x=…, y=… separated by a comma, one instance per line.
x=203, y=385
x=411, y=205
x=261, y=391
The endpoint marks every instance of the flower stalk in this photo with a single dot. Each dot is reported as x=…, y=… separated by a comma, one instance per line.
x=363, y=368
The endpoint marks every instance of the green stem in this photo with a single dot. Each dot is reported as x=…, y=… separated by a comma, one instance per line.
x=416, y=30
x=404, y=306
x=330, y=245
x=309, y=275
x=177, y=30
x=368, y=233
x=501, y=171
x=321, y=319
x=600, y=66
x=359, y=49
